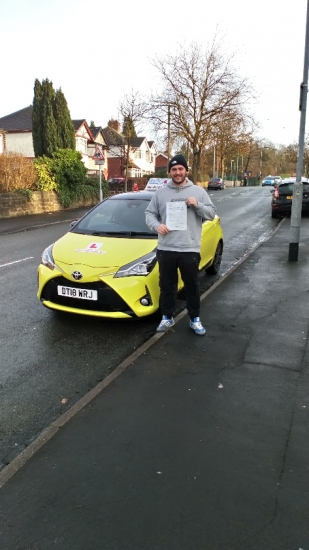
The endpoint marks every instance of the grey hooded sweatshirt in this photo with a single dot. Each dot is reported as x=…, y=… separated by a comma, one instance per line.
x=181, y=241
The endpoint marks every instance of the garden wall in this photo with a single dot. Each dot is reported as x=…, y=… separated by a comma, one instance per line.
x=16, y=204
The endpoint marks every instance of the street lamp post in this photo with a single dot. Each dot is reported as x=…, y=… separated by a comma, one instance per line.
x=168, y=133
x=298, y=186
x=214, y=164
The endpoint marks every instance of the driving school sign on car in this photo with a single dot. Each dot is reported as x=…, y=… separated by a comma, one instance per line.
x=155, y=183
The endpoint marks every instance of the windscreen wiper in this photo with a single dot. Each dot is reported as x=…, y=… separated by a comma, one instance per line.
x=124, y=233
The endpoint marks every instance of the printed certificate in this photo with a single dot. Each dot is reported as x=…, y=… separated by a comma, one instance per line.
x=176, y=215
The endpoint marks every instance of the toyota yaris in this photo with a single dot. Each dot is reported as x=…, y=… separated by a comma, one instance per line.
x=106, y=264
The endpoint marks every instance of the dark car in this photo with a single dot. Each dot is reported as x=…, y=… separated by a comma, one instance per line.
x=216, y=183
x=281, y=202
x=116, y=180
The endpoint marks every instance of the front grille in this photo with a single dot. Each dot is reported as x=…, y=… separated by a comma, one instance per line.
x=108, y=300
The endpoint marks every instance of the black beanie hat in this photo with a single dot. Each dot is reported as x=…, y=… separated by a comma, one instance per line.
x=178, y=159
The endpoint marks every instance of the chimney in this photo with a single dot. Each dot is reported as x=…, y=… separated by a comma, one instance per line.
x=115, y=124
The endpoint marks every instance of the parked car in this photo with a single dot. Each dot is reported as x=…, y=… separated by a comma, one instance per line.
x=216, y=183
x=269, y=180
x=116, y=180
x=106, y=264
x=277, y=179
x=281, y=202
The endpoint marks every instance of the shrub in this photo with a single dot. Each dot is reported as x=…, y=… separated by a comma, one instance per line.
x=94, y=183
x=16, y=172
x=45, y=179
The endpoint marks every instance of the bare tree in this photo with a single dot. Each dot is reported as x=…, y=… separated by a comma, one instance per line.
x=132, y=110
x=198, y=88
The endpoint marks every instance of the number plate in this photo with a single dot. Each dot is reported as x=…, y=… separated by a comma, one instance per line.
x=80, y=293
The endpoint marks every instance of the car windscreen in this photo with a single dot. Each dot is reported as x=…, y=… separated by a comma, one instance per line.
x=215, y=180
x=119, y=217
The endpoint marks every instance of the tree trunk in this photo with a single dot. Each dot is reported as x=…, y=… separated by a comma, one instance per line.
x=196, y=164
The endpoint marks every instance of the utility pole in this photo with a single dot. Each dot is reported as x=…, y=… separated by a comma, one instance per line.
x=168, y=133
x=298, y=185
x=214, y=164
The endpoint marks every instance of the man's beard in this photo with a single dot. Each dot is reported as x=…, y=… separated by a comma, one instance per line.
x=179, y=182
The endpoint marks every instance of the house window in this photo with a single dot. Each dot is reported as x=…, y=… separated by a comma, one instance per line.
x=81, y=145
x=138, y=154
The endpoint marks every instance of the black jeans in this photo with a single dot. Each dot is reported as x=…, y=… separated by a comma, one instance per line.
x=187, y=263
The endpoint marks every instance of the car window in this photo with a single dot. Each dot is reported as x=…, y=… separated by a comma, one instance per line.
x=116, y=216
x=286, y=189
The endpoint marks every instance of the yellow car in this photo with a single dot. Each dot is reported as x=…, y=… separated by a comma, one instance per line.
x=106, y=265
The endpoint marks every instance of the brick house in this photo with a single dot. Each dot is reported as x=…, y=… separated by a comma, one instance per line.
x=141, y=159
x=161, y=162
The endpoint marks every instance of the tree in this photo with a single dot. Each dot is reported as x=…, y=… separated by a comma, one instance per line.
x=52, y=127
x=49, y=127
x=128, y=127
x=64, y=124
x=132, y=109
x=198, y=88
x=37, y=123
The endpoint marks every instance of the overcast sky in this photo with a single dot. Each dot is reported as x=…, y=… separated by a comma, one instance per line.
x=97, y=51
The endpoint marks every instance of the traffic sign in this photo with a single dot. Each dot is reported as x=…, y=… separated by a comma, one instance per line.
x=98, y=153
x=99, y=162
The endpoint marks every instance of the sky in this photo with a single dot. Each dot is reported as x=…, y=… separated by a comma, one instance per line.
x=98, y=51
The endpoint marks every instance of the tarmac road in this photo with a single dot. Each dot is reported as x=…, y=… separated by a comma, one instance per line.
x=46, y=357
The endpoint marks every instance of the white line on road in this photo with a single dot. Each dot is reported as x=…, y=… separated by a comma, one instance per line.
x=17, y=261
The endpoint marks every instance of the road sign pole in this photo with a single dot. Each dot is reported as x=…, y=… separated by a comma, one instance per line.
x=100, y=180
x=298, y=186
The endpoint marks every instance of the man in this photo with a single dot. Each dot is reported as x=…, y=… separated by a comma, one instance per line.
x=181, y=204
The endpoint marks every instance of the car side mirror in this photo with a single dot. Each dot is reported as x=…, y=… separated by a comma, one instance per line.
x=73, y=223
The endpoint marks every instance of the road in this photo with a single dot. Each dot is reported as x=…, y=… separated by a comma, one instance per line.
x=49, y=361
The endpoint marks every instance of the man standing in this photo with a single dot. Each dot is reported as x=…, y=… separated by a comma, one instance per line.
x=177, y=212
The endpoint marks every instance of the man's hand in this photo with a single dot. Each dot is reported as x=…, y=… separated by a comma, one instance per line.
x=163, y=229
x=191, y=201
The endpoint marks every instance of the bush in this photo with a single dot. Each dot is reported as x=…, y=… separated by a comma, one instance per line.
x=66, y=174
x=94, y=182
x=16, y=172
x=45, y=179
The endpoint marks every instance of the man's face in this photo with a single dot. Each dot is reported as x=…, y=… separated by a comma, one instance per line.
x=178, y=174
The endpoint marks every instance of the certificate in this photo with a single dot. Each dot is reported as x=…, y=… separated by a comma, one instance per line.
x=176, y=215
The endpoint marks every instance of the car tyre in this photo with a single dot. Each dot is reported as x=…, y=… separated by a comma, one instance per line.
x=274, y=214
x=214, y=268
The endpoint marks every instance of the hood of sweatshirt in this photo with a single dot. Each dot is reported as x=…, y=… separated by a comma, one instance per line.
x=179, y=188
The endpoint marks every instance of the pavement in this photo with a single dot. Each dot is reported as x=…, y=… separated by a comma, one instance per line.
x=34, y=221
x=192, y=443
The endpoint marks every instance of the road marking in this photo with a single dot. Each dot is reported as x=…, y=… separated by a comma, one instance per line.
x=17, y=261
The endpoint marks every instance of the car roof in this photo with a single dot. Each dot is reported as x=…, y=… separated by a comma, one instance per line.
x=293, y=180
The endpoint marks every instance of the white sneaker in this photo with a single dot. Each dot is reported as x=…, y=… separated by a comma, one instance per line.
x=165, y=324
x=197, y=326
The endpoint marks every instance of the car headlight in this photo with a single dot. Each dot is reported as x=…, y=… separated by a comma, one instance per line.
x=142, y=267
x=47, y=258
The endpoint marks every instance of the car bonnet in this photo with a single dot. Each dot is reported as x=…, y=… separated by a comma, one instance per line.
x=100, y=252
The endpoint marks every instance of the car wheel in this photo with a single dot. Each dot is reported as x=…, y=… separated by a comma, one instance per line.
x=274, y=214
x=215, y=266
